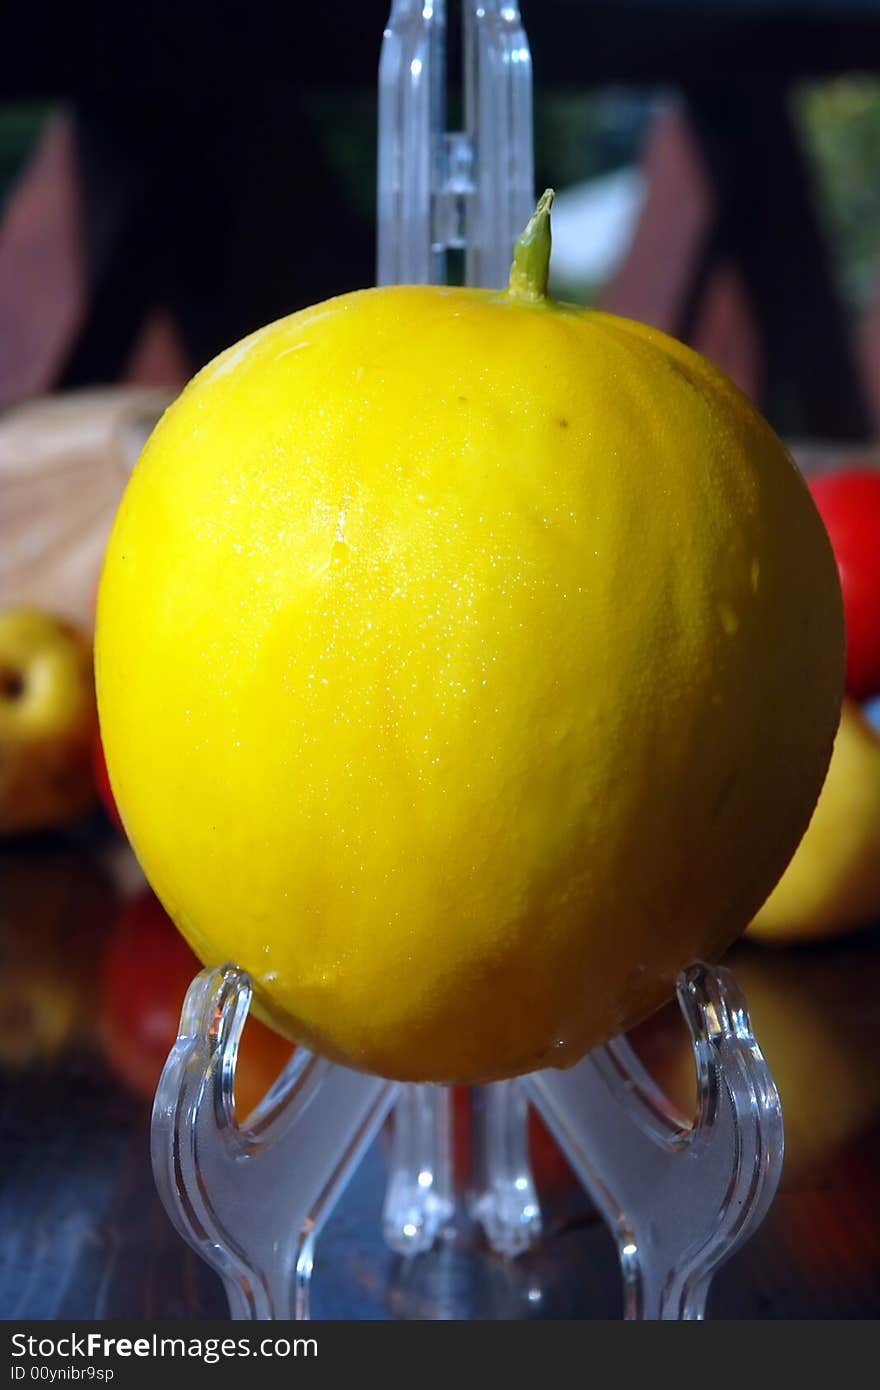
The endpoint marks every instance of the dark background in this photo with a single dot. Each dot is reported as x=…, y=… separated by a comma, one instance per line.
x=223, y=162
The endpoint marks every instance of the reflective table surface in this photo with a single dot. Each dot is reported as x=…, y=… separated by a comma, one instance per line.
x=91, y=977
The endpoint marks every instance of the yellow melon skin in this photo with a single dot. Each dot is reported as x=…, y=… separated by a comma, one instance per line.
x=466, y=667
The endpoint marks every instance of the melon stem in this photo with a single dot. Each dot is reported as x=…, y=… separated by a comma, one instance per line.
x=531, y=254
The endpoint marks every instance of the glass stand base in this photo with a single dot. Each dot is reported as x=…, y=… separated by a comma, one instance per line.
x=678, y=1197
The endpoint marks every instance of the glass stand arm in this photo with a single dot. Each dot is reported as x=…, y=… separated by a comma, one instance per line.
x=679, y=1198
x=439, y=191
x=251, y=1198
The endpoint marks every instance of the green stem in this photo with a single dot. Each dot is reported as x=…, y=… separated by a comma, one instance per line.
x=531, y=254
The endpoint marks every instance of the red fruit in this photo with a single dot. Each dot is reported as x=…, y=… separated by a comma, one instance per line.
x=148, y=968
x=849, y=504
x=102, y=782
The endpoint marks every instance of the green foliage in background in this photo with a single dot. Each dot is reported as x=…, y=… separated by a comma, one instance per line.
x=344, y=122
x=840, y=121
x=582, y=134
x=578, y=135
x=20, y=129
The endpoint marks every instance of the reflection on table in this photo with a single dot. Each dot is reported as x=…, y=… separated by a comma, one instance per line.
x=92, y=980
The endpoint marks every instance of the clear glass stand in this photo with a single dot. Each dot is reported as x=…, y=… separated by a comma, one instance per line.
x=679, y=1198
x=251, y=1198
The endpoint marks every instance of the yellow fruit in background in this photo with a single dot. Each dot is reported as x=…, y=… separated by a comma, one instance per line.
x=813, y=1015
x=48, y=721
x=467, y=664
x=833, y=882
x=56, y=907
x=813, y=1018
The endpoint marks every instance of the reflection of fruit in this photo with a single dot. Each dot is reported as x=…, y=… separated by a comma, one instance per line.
x=446, y=642
x=148, y=968
x=47, y=721
x=102, y=783
x=55, y=905
x=813, y=1015
x=849, y=503
x=833, y=881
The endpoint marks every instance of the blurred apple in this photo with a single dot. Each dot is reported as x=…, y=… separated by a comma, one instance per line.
x=55, y=908
x=47, y=721
x=148, y=968
x=849, y=503
x=833, y=882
